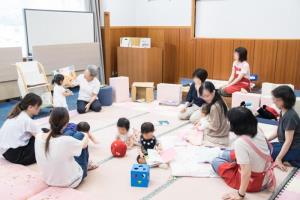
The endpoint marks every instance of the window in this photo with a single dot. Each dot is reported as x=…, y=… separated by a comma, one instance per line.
x=12, y=32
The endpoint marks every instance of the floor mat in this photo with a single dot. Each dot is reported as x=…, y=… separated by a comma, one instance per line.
x=208, y=188
x=112, y=179
x=290, y=188
x=97, y=120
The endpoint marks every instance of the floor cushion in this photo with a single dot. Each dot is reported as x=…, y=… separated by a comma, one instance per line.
x=106, y=96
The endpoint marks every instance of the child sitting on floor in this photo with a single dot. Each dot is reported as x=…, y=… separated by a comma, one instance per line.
x=59, y=92
x=124, y=134
x=196, y=137
x=148, y=141
x=203, y=122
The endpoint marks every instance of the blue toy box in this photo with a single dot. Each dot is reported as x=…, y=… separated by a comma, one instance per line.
x=140, y=175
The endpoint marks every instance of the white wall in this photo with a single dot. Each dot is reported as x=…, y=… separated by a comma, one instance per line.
x=163, y=12
x=248, y=19
x=122, y=12
x=148, y=12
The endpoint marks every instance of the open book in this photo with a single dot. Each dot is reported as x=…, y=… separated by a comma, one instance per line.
x=155, y=158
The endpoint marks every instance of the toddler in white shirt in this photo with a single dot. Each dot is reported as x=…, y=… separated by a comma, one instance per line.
x=59, y=92
x=196, y=136
x=125, y=135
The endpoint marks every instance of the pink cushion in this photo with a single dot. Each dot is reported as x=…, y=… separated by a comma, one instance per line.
x=55, y=193
x=252, y=98
x=169, y=93
x=120, y=86
x=18, y=182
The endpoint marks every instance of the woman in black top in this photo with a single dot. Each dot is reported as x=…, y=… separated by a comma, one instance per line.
x=191, y=110
x=288, y=131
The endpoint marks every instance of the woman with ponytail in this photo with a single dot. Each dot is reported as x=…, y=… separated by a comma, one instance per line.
x=18, y=131
x=55, y=153
x=217, y=131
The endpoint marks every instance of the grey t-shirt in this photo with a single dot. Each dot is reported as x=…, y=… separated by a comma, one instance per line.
x=290, y=121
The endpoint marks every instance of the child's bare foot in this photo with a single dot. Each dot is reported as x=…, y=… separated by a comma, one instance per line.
x=92, y=165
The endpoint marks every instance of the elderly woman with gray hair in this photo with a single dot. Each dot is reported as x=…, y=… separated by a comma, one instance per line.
x=88, y=93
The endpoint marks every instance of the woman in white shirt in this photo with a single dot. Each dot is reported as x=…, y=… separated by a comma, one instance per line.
x=88, y=92
x=55, y=153
x=18, y=131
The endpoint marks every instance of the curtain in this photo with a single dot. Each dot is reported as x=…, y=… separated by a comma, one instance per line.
x=94, y=6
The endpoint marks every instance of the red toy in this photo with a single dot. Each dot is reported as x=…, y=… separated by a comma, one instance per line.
x=118, y=148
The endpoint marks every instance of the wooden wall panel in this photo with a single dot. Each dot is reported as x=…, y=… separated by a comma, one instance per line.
x=223, y=58
x=205, y=55
x=288, y=62
x=157, y=36
x=107, y=46
x=265, y=52
x=187, y=51
x=140, y=64
x=273, y=60
x=171, y=55
x=116, y=33
x=168, y=40
x=141, y=32
x=249, y=45
x=297, y=83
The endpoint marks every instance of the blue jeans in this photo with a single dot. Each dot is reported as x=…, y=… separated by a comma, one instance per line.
x=223, y=158
x=83, y=159
x=292, y=156
x=95, y=106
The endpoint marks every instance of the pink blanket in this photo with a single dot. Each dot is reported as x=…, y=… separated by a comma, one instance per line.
x=18, y=182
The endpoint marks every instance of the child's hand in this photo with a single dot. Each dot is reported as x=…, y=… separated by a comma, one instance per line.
x=68, y=93
x=92, y=138
x=158, y=148
x=197, y=124
x=142, y=155
x=135, y=133
x=129, y=143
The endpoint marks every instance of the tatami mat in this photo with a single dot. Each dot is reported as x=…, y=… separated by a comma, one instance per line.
x=107, y=117
x=112, y=179
x=208, y=188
